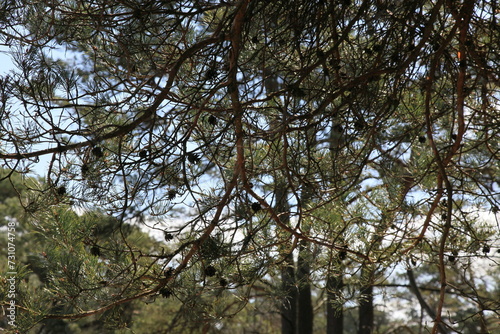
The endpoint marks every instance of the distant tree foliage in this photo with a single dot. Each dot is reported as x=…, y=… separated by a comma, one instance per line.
x=253, y=166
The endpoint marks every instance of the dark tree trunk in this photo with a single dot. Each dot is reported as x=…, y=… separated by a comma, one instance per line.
x=289, y=304
x=366, y=310
x=305, y=306
x=305, y=309
x=288, y=308
x=334, y=314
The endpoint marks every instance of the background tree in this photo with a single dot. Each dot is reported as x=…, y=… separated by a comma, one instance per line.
x=298, y=152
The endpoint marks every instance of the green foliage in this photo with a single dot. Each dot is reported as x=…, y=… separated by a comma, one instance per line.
x=225, y=160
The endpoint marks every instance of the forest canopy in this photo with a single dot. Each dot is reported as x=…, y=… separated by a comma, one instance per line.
x=250, y=166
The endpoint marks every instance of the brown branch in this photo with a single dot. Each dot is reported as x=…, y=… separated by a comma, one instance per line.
x=463, y=24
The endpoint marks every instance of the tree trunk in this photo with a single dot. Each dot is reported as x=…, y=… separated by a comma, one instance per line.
x=305, y=306
x=334, y=313
x=305, y=309
x=366, y=310
x=288, y=307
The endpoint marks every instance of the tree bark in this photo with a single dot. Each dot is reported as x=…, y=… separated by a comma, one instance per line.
x=334, y=314
x=288, y=307
x=305, y=308
x=366, y=310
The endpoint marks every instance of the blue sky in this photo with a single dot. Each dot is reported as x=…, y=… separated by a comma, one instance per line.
x=5, y=66
x=5, y=61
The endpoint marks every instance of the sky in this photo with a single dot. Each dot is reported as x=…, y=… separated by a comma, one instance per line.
x=6, y=65
x=5, y=61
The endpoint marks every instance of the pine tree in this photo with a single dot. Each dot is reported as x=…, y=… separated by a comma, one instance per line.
x=285, y=153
